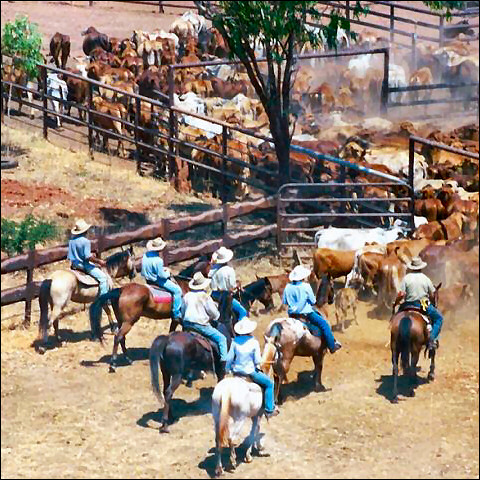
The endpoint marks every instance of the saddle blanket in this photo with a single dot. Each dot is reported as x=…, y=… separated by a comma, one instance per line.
x=160, y=296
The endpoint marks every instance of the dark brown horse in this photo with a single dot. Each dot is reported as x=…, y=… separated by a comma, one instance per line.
x=129, y=303
x=260, y=289
x=288, y=338
x=408, y=334
x=180, y=353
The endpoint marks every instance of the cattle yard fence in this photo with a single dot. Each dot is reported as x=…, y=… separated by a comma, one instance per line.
x=165, y=228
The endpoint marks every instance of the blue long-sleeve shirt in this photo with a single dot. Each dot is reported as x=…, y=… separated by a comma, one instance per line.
x=152, y=267
x=79, y=251
x=244, y=355
x=299, y=297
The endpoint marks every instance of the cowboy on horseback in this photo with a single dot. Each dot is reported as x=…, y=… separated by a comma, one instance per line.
x=299, y=297
x=417, y=290
x=157, y=275
x=81, y=258
x=224, y=279
x=199, y=310
x=243, y=359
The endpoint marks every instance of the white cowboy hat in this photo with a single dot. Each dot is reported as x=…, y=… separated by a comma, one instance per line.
x=199, y=282
x=245, y=326
x=156, y=244
x=300, y=272
x=416, y=264
x=80, y=227
x=222, y=255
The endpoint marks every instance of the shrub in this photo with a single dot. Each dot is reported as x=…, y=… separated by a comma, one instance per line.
x=18, y=236
x=22, y=38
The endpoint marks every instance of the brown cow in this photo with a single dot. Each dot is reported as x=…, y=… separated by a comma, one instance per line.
x=228, y=90
x=421, y=77
x=455, y=297
x=77, y=92
x=60, y=45
x=391, y=272
x=93, y=38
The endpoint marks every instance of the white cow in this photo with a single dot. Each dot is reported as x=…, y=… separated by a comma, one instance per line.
x=397, y=78
x=57, y=88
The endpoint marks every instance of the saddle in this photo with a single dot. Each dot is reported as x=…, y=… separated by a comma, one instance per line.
x=313, y=329
x=84, y=278
x=159, y=295
x=206, y=344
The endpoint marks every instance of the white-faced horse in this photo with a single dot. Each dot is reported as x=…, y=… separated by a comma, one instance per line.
x=65, y=285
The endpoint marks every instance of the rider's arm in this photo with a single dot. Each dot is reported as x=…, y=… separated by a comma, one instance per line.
x=97, y=261
x=211, y=309
x=89, y=257
x=310, y=295
x=257, y=357
x=400, y=297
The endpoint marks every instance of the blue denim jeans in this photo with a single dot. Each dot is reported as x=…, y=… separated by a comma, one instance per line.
x=320, y=322
x=212, y=334
x=176, y=291
x=96, y=273
x=433, y=314
x=237, y=308
x=266, y=383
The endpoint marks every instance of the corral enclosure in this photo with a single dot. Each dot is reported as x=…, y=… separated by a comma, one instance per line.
x=64, y=416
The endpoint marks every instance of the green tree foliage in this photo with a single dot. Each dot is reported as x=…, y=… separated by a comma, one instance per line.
x=22, y=38
x=445, y=7
x=18, y=236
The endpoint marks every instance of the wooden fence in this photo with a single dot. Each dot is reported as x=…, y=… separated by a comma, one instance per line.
x=36, y=258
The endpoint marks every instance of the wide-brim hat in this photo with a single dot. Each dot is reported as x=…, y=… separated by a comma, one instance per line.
x=81, y=226
x=416, y=264
x=156, y=244
x=300, y=272
x=222, y=255
x=245, y=326
x=199, y=282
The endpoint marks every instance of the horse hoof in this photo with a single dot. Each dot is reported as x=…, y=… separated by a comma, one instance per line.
x=320, y=388
x=112, y=369
x=248, y=457
x=218, y=471
x=41, y=350
x=431, y=377
x=164, y=429
x=395, y=400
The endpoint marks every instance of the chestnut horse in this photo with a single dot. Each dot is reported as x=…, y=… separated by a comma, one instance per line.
x=286, y=338
x=408, y=334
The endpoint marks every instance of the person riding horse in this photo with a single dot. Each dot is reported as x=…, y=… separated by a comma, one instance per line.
x=199, y=310
x=243, y=359
x=157, y=275
x=299, y=297
x=81, y=258
x=224, y=279
x=417, y=290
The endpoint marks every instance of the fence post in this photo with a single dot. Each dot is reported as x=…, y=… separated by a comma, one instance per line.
x=90, y=4
x=347, y=9
x=137, y=117
x=28, y=291
x=441, y=31
x=45, y=101
x=160, y=7
x=225, y=218
x=384, y=96
x=411, y=168
x=392, y=24
x=279, y=224
x=223, y=190
x=171, y=133
x=165, y=235
x=89, y=119
x=414, y=51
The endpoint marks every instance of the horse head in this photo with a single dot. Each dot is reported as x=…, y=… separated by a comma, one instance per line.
x=435, y=295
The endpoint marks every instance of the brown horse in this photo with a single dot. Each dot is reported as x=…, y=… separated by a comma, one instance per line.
x=408, y=334
x=286, y=338
x=129, y=303
x=64, y=285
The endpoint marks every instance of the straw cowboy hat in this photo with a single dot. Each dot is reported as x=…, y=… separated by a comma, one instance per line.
x=156, y=245
x=81, y=226
x=300, y=272
x=222, y=255
x=245, y=326
x=199, y=282
x=416, y=264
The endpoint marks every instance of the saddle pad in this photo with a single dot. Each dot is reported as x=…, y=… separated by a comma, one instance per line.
x=251, y=385
x=203, y=341
x=85, y=279
x=160, y=296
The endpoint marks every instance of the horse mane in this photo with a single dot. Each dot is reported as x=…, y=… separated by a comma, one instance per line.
x=116, y=259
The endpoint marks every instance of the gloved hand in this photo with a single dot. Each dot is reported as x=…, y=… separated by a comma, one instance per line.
x=167, y=271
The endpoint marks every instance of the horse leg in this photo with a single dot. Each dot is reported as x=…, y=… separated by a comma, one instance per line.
x=218, y=451
x=120, y=337
x=168, y=391
x=431, y=373
x=277, y=380
x=113, y=327
x=318, y=361
x=233, y=457
x=251, y=440
x=395, y=356
x=173, y=325
x=413, y=372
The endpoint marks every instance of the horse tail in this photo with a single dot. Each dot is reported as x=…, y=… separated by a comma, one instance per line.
x=96, y=311
x=403, y=340
x=156, y=355
x=224, y=416
x=274, y=331
x=43, y=301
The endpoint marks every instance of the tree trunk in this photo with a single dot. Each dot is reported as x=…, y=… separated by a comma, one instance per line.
x=281, y=138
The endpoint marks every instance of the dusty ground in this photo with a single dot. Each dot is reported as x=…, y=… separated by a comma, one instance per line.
x=64, y=416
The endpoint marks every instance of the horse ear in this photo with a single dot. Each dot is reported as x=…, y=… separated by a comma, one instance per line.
x=438, y=286
x=130, y=249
